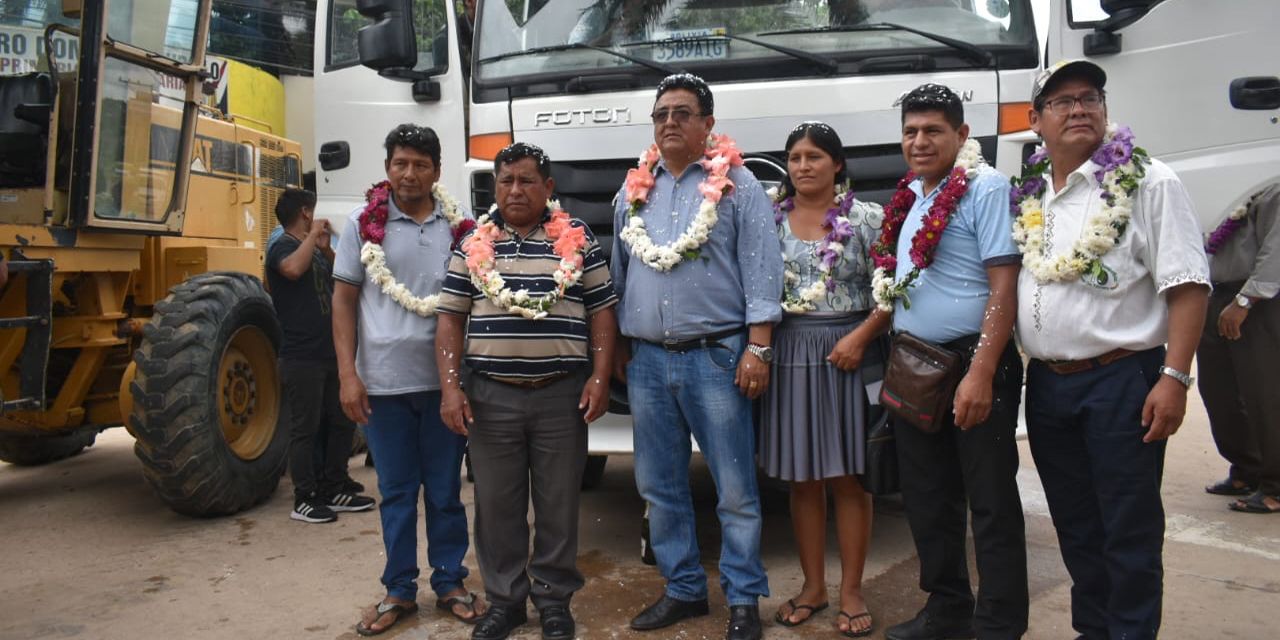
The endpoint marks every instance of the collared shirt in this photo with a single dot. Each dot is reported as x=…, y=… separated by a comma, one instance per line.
x=508, y=346
x=737, y=280
x=1252, y=254
x=851, y=278
x=1126, y=308
x=396, y=347
x=949, y=298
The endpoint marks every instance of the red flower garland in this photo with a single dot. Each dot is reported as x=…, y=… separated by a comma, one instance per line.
x=884, y=251
x=373, y=220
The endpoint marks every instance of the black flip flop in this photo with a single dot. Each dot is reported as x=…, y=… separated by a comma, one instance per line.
x=384, y=608
x=786, y=620
x=1228, y=488
x=468, y=601
x=1254, y=504
x=850, y=632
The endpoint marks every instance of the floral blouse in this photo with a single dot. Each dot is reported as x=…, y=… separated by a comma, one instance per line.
x=853, y=274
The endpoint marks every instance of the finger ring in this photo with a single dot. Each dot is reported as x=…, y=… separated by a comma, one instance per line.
x=753, y=384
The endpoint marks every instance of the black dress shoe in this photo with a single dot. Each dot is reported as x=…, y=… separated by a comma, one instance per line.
x=498, y=621
x=557, y=622
x=668, y=611
x=744, y=623
x=927, y=627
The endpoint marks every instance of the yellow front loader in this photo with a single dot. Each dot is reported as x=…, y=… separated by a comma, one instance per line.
x=134, y=222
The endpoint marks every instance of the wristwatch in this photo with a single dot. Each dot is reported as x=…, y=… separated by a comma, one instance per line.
x=1244, y=301
x=1185, y=379
x=764, y=352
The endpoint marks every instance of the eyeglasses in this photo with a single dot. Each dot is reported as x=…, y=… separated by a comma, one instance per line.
x=1064, y=106
x=680, y=116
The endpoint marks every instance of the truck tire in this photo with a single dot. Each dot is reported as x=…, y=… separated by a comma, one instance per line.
x=30, y=451
x=206, y=396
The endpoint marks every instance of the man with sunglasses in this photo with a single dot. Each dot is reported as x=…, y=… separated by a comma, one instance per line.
x=697, y=307
x=1113, y=269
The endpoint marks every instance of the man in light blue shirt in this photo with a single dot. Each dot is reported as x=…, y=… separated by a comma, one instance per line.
x=965, y=300
x=699, y=334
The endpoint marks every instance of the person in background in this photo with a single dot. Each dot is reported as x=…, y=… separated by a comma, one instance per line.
x=1238, y=351
x=299, y=268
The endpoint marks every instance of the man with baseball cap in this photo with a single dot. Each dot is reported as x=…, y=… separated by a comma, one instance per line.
x=1113, y=270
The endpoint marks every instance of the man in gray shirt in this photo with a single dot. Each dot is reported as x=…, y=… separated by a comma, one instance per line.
x=389, y=268
x=1238, y=351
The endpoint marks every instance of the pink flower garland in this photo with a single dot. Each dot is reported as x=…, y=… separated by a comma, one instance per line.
x=924, y=245
x=570, y=244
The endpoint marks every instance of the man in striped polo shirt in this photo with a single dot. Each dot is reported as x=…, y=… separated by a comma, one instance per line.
x=539, y=349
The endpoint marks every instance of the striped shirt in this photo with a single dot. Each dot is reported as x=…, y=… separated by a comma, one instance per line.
x=507, y=346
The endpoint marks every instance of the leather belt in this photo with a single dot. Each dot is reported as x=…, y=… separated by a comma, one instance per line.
x=530, y=384
x=1067, y=367
x=683, y=346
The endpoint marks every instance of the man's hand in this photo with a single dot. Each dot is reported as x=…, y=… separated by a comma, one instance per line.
x=323, y=235
x=972, y=404
x=848, y=352
x=1230, y=319
x=595, y=398
x=355, y=399
x=455, y=411
x=752, y=377
x=1166, y=405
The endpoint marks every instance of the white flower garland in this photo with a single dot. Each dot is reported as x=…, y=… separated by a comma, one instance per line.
x=721, y=156
x=1119, y=181
x=375, y=261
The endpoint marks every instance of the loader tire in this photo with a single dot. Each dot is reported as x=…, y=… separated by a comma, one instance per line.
x=206, y=396
x=29, y=451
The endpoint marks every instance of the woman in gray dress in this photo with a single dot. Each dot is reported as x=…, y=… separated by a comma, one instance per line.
x=814, y=417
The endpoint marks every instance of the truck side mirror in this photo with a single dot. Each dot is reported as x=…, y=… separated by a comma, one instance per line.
x=1104, y=40
x=389, y=42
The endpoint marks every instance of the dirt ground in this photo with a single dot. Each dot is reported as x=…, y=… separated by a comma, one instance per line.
x=90, y=552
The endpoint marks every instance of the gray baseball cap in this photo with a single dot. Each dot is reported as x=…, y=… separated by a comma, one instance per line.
x=1067, y=69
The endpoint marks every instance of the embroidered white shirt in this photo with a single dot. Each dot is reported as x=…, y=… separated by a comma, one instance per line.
x=1126, y=307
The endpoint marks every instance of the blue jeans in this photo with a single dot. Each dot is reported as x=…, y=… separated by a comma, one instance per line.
x=1102, y=483
x=412, y=448
x=672, y=396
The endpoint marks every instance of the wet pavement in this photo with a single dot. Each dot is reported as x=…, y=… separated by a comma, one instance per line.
x=90, y=552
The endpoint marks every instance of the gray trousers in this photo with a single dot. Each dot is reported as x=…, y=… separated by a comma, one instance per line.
x=1238, y=382
x=527, y=443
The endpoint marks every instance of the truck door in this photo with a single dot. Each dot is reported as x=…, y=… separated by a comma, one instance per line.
x=355, y=106
x=1199, y=83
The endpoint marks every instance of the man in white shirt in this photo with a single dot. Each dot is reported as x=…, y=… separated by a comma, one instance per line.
x=1113, y=269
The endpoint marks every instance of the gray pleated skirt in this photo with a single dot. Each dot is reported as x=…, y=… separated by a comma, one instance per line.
x=811, y=424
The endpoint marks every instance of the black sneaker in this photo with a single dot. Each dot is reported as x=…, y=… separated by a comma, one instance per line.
x=312, y=511
x=351, y=486
x=350, y=502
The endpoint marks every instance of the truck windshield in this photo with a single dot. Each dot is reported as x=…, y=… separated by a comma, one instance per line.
x=521, y=44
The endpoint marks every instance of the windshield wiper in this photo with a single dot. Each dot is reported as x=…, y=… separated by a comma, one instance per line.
x=828, y=65
x=645, y=62
x=978, y=56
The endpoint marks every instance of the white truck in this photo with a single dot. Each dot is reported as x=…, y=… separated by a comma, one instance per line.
x=1197, y=81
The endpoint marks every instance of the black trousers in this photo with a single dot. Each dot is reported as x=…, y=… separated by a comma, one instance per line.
x=1102, y=483
x=316, y=422
x=1238, y=382
x=527, y=444
x=950, y=472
